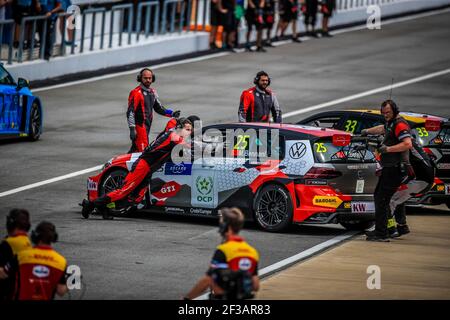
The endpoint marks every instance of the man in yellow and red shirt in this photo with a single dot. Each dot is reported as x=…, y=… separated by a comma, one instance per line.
x=17, y=226
x=233, y=272
x=41, y=270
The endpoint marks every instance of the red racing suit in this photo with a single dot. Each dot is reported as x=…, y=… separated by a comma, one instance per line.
x=141, y=103
x=41, y=269
x=153, y=157
x=256, y=105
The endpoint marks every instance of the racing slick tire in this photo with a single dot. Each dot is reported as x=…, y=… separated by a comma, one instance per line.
x=110, y=182
x=357, y=225
x=86, y=209
x=273, y=208
x=35, y=123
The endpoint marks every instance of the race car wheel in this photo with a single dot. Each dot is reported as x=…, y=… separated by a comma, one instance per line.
x=357, y=225
x=273, y=208
x=35, y=126
x=112, y=181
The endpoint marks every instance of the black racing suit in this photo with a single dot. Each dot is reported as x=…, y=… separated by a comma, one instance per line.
x=391, y=173
x=424, y=178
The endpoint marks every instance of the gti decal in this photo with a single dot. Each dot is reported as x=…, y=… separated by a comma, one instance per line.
x=168, y=190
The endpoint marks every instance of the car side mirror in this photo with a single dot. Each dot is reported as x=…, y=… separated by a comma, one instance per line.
x=22, y=83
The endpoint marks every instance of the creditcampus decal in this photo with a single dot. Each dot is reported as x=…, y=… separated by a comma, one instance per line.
x=178, y=169
x=328, y=202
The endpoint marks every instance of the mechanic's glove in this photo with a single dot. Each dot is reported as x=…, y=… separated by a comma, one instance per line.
x=132, y=133
x=382, y=149
x=303, y=8
x=360, y=147
x=260, y=17
x=176, y=114
x=364, y=133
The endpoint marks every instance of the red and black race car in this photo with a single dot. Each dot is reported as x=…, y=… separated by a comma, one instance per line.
x=278, y=174
x=431, y=132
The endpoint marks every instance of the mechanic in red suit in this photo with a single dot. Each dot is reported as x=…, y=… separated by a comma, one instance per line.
x=259, y=102
x=141, y=103
x=153, y=157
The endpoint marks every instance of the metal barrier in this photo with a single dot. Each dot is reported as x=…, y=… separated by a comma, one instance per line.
x=173, y=5
x=42, y=36
x=64, y=16
x=175, y=16
x=11, y=23
x=122, y=8
x=150, y=7
x=93, y=12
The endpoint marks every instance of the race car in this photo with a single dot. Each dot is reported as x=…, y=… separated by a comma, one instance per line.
x=430, y=131
x=278, y=174
x=20, y=110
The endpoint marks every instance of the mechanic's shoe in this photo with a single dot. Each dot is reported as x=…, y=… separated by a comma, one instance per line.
x=403, y=229
x=87, y=209
x=296, y=39
x=393, y=232
x=326, y=34
x=261, y=49
x=373, y=236
x=248, y=48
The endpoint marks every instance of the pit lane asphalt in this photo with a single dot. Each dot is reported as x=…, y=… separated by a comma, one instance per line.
x=160, y=257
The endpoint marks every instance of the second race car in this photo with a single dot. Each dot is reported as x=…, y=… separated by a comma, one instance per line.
x=431, y=132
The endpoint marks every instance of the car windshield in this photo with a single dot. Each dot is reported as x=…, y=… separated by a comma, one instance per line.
x=5, y=78
x=443, y=137
x=326, y=152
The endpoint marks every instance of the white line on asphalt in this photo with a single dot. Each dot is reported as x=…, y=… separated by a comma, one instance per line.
x=42, y=183
x=287, y=115
x=367, y=93
x=201, y=235
x=391, y=21
x=298, y=257
x=221, y=54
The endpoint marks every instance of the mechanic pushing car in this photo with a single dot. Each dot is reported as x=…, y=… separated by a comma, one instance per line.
x=233, y=272
x=141, y=102
x=397, y=139
x=420, y=182
x=259, y=102
x=153, y=157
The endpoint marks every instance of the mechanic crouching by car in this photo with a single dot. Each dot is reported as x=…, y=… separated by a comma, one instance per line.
x=233, y=272
x=151, y=159
x=416, y=181
x=17, y=226
x=141, y=102
x=397, y=139
x=259, y=102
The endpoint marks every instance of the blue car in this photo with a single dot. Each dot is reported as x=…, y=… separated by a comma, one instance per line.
x=20, y=110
